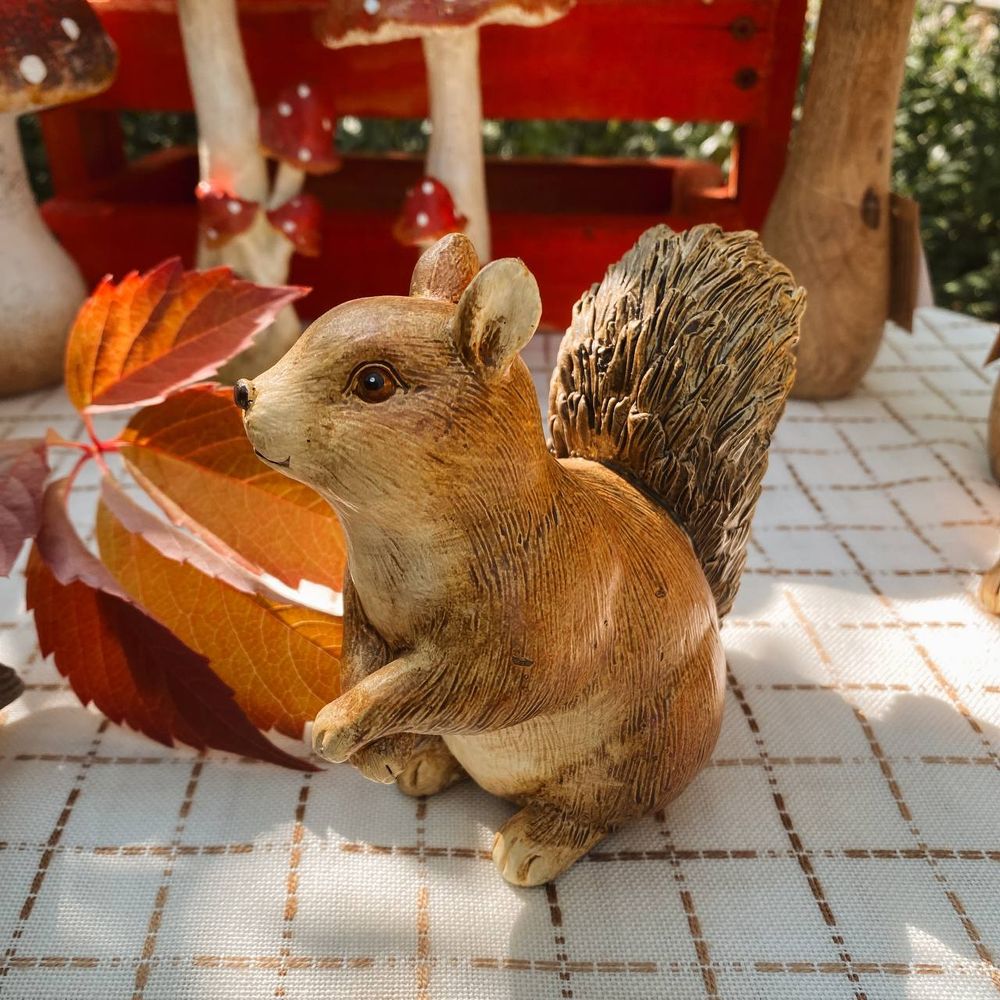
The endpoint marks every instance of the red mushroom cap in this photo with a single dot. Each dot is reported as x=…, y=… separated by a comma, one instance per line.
x=428, y=214
x=222, y=215
x=51, y=52
x=298, y=128
x=369, y=22
x=299, y=220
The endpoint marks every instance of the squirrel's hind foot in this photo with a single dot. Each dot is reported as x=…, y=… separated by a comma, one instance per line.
x=430, y=770
x=539, y=843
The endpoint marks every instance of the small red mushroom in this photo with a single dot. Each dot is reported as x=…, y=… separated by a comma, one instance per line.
x=297, y=131
x=221, y=215
x=298, y=220
x=428, y=214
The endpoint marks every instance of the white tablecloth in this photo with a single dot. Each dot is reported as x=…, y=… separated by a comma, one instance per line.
x=844, y=842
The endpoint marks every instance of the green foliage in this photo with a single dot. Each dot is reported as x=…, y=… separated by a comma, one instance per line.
x=947, y=144
x=948, y=150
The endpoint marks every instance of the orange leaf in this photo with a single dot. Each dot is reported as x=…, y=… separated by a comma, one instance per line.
x=135, y=341
x=191, y=454
x=281, y=662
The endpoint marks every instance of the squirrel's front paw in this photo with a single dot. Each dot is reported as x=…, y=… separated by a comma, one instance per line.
x=385, y=759
x=336, y=734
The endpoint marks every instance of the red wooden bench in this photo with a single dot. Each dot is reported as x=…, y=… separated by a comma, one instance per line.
x=694, y=60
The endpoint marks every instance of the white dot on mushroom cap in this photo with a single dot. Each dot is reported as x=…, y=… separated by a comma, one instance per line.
x=372, y=6
x=427, y=187
x=422, y=219
x=211, y=233
x=234, y=207
x=288, y=226
x=32, y=69
x=303, y=90
x=304, y=154
x=284, y=109
x=71, y=28
x=327, y=124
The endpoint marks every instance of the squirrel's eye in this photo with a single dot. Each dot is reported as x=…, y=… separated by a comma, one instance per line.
x=375, y=384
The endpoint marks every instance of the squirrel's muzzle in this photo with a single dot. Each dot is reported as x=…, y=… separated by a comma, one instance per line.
x=243, y=394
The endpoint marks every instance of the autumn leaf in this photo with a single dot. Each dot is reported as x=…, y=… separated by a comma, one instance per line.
x=128, y=665
x=280, y=660
x=191, y=454
x=136, y=341
x=23, y=470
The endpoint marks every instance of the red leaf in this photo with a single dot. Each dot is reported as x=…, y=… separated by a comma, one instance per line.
x=222, y=215
x=299, y=221
x=136, y=672
x=23, y=470
x=298, y=128
x=136, y=341
x=131, y=667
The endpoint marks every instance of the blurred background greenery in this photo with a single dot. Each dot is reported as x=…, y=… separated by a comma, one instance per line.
x=947, y=153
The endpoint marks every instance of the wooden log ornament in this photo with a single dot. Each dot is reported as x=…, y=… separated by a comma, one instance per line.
x=830, y=219
x=542, y=618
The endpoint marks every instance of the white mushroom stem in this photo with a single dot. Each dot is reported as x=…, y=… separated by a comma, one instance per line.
x=288, y=181
x=228, y=139
x=230, y=159
x=40, y=286
x=455, y=152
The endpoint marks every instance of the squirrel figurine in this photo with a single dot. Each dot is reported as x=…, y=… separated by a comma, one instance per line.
x=542, y=618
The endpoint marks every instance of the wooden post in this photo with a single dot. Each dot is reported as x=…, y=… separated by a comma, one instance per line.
x=829, y=222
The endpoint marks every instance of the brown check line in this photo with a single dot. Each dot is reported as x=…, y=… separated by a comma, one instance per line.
x=923, y=443
x=794, y=840
x=292, y=883
x=145, y=967
x=974, y=369
x=980, y=523
x=932, y=666
x=968, y=925
x=424, y=962
x=932, y=446
x=45, y=860
x=977, y=422
x=339, y=963
x=561, y=965
x=698, y=939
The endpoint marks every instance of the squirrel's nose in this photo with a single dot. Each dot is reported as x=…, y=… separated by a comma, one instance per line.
x=243, y=394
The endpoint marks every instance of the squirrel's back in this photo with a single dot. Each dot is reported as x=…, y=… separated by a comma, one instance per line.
x=674, y=373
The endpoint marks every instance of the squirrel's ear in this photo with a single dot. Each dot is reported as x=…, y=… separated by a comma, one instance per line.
x=445, y=269
x=497, y=314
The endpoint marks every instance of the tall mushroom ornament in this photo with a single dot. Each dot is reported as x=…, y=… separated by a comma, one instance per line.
x=233, y=169
x=449, y=30
x=51, y=52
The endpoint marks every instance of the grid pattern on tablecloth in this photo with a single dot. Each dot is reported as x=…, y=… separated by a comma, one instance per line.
x=844, y=841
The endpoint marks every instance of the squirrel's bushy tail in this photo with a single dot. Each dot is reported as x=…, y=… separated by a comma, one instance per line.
x=674, y=372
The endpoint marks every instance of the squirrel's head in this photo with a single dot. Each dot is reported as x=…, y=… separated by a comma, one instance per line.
x=396, y=400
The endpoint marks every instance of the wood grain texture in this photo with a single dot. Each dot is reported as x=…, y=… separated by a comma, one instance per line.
x=544, y=620
x=830, y=220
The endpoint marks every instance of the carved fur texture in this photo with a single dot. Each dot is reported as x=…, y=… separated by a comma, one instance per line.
x=539, y=623
x=674, y=372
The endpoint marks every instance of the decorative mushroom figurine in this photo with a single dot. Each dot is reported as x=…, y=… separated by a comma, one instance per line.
x=222, y=215
x=450, y=33
x=297, y=131
x=299, y=220
x=428, y=214
x=51, y=52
